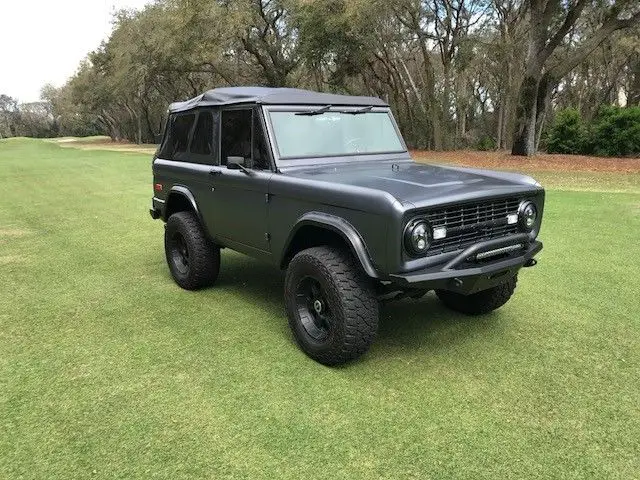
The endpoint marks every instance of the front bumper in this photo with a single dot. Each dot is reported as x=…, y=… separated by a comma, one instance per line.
x=464, y=275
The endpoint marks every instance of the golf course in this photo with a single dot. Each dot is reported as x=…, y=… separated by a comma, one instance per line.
x=109, y=370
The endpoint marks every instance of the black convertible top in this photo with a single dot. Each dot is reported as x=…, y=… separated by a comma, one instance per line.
x=271, y=96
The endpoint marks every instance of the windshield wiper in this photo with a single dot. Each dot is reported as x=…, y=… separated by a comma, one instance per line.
x=317, y=111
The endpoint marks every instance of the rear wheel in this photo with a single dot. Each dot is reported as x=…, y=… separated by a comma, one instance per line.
x=194, y=261
x=481, y=302
x=331, y=305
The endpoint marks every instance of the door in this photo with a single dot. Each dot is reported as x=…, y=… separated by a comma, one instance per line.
x=240, y=206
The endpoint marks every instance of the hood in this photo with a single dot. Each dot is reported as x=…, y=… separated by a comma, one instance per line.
x=421, y=184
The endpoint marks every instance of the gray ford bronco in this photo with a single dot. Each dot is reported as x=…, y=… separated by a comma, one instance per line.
x=323, y=186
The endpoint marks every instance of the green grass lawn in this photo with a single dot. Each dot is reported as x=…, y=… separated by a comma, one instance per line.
x=109, y=370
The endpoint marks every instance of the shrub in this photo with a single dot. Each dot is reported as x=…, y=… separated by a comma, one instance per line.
x=486, y=143
x=568, y=133
x=615, y=131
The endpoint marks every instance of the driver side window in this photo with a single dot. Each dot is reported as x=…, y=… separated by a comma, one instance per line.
x=235, y=137
x=242, y=135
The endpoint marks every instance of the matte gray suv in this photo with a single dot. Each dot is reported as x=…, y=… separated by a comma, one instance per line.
x=323, y=186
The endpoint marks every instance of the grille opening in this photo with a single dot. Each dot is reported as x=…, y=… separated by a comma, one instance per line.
x=472, y=223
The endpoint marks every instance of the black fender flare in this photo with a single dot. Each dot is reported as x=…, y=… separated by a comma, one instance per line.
x=340, y=226
x=180, y=190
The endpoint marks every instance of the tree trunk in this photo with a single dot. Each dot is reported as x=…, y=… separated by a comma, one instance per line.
x=633, y=97
x=507, y=121
x=112, y=126
x=445, y=107
x=525, y=130
x=431, y=100
x=461, y=124
x=545, y=88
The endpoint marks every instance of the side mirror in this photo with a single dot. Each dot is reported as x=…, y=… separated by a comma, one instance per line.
x=235, y=163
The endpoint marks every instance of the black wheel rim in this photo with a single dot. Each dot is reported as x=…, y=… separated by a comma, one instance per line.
x=313, y=309
x=180, y=253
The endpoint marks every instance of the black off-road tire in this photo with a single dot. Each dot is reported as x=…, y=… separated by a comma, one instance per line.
x=481, y=302
x=350, y=320
x=184, y=238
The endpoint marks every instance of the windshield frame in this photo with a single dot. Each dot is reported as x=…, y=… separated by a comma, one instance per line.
x=290, y=161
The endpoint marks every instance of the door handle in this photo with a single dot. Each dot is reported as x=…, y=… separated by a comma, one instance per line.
x=215, y=173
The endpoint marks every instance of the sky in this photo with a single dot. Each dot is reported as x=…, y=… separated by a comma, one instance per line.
x=43, y=41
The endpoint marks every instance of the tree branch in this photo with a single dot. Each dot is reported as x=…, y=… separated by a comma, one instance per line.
x=572, y=17
x=563, y=67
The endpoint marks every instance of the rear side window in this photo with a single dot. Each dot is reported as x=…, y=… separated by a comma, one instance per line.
x=202, y=143
x=177, y=141
x=203, y=148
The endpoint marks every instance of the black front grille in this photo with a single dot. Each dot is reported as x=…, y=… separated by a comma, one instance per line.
x=471, y=223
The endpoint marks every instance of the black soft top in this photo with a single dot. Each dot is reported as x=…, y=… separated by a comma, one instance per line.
x=271, y=96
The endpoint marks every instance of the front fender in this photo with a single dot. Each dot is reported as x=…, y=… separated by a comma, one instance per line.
x=342, y=228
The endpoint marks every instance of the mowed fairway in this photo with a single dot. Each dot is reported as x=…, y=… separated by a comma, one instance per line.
x=109, y=370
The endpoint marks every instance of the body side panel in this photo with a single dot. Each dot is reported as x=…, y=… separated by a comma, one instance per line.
x=367, y=211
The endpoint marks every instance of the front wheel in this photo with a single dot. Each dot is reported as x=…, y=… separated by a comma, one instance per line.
x=331, y=305
x=481, y=302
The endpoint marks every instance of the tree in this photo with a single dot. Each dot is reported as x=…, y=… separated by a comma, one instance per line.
x=8, y=109
x=549, y=23
x=457, y=73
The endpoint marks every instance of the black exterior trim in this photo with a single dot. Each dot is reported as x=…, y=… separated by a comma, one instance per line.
x=272, y=96
x=471, y=278
x=340, y=226
x=179, y=190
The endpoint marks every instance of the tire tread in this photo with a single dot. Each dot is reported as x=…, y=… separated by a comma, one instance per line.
x=358, y=303
x=481, y=302
x=204, y=255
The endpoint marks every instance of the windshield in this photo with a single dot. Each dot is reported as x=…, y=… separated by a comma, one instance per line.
x=333, y=133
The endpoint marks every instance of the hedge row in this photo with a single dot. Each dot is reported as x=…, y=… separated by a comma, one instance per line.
x=613, y=132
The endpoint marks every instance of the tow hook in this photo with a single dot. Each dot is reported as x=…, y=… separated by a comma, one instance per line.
x=530, y=263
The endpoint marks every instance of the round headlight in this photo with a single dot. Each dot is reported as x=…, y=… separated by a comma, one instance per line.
x=417, y=237
x=528, y=215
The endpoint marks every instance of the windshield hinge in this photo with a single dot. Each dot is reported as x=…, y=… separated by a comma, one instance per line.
x=317, y=111
x=266, y=198
x=359, y=111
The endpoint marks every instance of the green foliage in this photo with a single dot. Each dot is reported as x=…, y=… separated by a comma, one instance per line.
x=337, y=35
x=614, y=132
x=445, y=68
x=486, y=143
x=567, y=135
x=34, y=119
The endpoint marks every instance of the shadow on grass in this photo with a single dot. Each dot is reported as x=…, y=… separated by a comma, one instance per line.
x=406, y=324
x=427, y=325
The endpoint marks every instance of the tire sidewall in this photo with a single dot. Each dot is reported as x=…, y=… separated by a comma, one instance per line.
x=175, y=225
x=204, y=256
x=300, y=268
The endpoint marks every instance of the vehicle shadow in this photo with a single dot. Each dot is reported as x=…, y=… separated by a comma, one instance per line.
x=426, y=324
x=406, y=324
